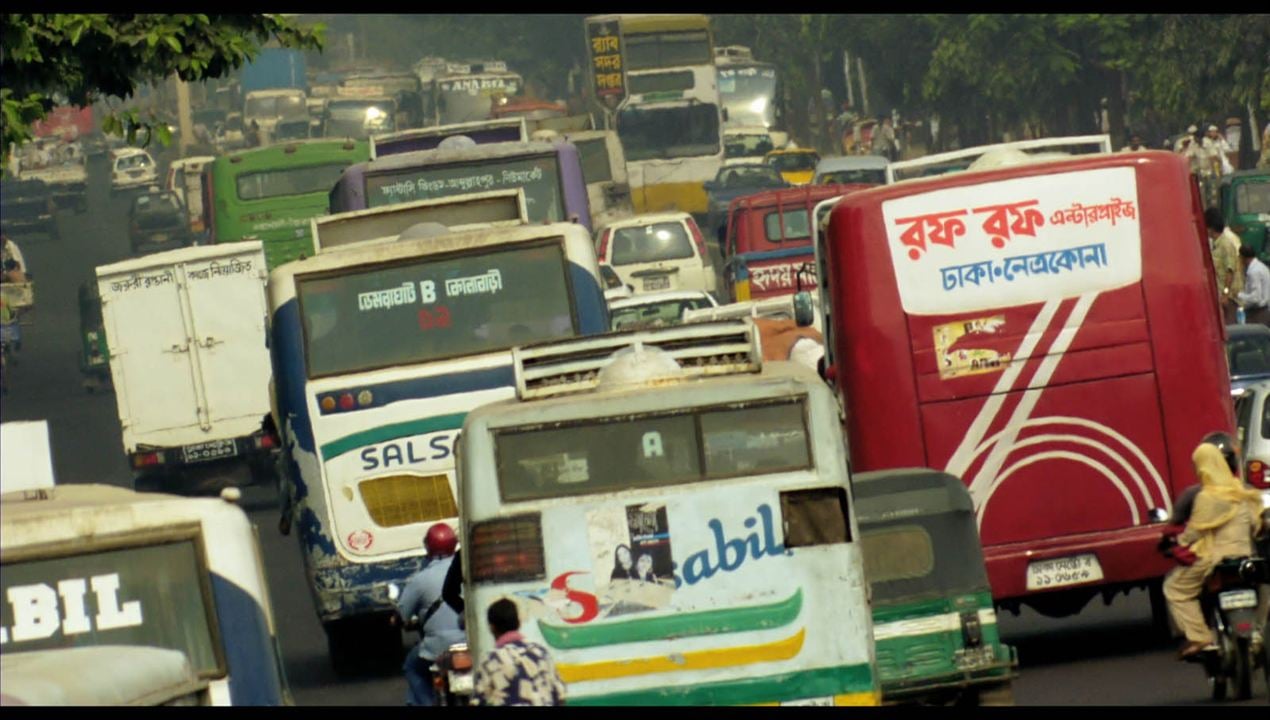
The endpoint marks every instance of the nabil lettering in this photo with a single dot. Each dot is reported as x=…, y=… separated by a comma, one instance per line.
x=731, y=553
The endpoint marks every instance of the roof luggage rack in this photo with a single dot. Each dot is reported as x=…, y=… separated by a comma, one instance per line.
x=493, y=208
x=701, y=349
x=1102, y=141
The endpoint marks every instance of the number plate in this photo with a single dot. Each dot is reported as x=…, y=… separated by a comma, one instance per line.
x=657, y=282
x=461, y=683
x=213, y=450
x=1236, y=599
x=1061, y=572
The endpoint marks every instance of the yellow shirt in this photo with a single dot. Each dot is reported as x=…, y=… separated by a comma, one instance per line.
x=1226, y=259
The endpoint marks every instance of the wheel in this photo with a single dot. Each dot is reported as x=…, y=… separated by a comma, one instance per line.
x=1161, y=624
x=1220, y=669
x=1242, y=674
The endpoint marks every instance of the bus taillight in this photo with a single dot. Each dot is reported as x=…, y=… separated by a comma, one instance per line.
x=604, y=244
x=1257, y=475
x=698, y=239
x=507, y=549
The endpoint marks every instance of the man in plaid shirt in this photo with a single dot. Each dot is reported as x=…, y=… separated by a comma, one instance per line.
x=516, y=672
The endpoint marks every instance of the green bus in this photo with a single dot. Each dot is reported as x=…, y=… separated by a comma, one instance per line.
x=271, y=193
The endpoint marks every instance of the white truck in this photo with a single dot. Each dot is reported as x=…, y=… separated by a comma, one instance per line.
x=188, y=356
x=60, y=166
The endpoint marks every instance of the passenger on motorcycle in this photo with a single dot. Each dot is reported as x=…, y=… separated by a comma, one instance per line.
x=437, y=623
x=1222, y=522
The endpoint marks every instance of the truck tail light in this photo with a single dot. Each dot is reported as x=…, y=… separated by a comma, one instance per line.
x=507, y=549
x=1256, y=475
x=602, y=250
x=147, y=459
x=698, y=238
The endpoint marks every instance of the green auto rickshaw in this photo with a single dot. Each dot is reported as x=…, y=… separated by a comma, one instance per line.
x=934, y=625
x=1245, y=205
x=94, y=355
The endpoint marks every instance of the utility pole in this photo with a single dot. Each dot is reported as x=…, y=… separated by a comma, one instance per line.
x=864, y=89
x=184, y=118
x=846, y=72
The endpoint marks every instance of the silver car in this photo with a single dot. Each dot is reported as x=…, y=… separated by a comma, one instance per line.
x=1252, y=420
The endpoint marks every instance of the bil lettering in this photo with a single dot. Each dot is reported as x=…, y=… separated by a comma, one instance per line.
x=36, y=614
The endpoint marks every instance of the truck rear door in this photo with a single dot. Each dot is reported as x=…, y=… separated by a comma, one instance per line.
x=150, y=353
x=227, y=307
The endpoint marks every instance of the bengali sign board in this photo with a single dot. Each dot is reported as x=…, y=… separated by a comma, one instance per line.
x=604, y=44
x=1015, y=242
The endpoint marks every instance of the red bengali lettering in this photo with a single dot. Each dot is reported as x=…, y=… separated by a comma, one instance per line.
x=937, y=228
x=1022, y=220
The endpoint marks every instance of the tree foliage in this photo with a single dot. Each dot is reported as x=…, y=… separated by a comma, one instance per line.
x=82, y=58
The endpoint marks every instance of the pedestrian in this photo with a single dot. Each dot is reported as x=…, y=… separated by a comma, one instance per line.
x=1215, y=153
x=884, y=142
x=1224, y=246
x=515, y=672
x=1222, y=522
x=1264, y=162
x=1135, y=144
x=437, y=622
x=1255, y=297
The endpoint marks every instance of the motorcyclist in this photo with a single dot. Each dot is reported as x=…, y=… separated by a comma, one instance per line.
x=420, y=603
x=14, y=266
x=1223, y=519
x=1230, y=451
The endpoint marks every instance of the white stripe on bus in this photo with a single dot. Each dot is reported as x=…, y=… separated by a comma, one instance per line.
x=946, y=622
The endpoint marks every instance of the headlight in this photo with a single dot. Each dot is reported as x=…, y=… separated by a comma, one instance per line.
x=758, y=105
x=374, y=114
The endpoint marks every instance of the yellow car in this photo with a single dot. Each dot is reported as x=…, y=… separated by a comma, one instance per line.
x=796, y=166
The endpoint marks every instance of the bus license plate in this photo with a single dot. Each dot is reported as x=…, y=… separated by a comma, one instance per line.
x=1236, y=599
x=1061, y=572
x=657, y=282
x=213, y=450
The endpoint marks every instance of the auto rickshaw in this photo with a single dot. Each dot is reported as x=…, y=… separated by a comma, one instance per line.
x=934, y=625
x=94, y=356
x=1245, y=205
x=795, y=165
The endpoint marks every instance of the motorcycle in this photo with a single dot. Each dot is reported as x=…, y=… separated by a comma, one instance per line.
x=452, y=676
x=1228, y=601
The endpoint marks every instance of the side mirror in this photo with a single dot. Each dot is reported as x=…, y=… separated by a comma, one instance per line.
x=804, y=311
x=1157, y=515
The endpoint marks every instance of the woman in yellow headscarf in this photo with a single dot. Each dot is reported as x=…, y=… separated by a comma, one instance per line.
x=1225, y=517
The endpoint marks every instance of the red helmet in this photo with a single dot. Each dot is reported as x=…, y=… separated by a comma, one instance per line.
x=440, y=540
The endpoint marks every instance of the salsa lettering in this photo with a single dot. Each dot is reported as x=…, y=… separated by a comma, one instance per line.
x=408, y=452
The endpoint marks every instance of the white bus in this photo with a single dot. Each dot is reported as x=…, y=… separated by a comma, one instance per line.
x=95, y=566
x=673, y=519
x=671, y=121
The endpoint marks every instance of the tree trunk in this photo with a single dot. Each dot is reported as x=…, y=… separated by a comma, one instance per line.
x=1116, y=107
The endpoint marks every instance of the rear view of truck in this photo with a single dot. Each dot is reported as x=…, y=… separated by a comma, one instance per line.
x=186, y=334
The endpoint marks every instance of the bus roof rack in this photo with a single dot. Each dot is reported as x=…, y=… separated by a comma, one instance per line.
x=574, y=365
x=493, y=208
x=1102, y=141
x=481, y=132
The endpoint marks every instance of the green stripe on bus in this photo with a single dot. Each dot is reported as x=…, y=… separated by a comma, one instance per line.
x=818, y=683
x=706, y=622
x=384, y=433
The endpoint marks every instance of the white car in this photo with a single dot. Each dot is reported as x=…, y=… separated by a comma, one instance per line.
x=1252, y=420
x=653, y=310
x=132, y=168
x=658, y=252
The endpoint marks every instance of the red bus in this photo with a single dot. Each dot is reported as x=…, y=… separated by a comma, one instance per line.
x=768, y=240
x=1048, y=332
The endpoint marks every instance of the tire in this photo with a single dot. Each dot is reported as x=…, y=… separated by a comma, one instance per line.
x=1242, y=674
x=1161, y=624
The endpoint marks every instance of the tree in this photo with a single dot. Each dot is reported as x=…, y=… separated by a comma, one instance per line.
x=82, y=58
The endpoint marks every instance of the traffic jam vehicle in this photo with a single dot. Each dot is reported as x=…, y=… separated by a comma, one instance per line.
x=768, y=250
x=658, y=252
x=1046, y=330
x=673, y=518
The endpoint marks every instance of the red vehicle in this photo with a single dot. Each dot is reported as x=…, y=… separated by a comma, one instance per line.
x=528, y=108
x=66, y=121
x=768, y=240
x=1048, y=332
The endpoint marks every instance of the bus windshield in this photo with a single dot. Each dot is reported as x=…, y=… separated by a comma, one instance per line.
x=359, y=118
x=467, y=99
x=539, y=176
x=289, y=181
x=155, y=595
x=749, y=94
x=669, y=132
x=276, y=106
x=434, y=308
x=604, y=455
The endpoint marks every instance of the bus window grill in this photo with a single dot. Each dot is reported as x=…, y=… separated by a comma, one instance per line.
x=721, y=348
x=406, y=499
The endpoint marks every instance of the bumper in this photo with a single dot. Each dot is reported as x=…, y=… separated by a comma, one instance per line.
x=1126, y=556
x=342, y=589
x=912, y=688
x=132, y=183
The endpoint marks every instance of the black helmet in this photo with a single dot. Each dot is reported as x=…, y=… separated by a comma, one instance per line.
x=1229, y=449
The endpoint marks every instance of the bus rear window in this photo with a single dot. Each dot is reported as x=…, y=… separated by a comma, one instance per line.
x=289, y=182
x=434, y=308
x=539, y=176
x=595, y=160
x=155, y=595
x=796, y=227
x=897, y=553
x=606, y=455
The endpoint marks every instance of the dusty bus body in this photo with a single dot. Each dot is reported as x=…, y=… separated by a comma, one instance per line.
x=1047, y=332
